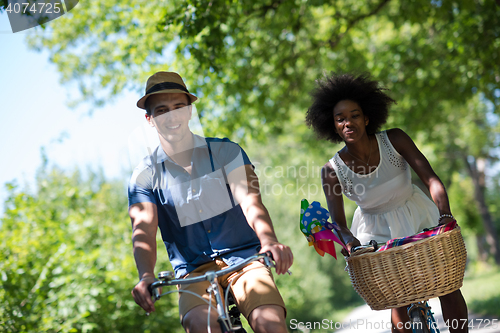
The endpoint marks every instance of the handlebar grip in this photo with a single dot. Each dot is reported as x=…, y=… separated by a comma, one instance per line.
x=371, y=247
x=356, y=248
x=268, y=260
x=375, y=245
x=154, y=293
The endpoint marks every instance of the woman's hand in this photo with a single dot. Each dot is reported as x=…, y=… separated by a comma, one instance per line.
x=349, y=240
x=446, y=220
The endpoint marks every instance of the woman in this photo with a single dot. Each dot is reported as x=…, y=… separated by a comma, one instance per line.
x=372, y=170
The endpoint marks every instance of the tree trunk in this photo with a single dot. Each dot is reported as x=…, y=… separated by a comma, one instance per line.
x=482, y=253
x=476, y=171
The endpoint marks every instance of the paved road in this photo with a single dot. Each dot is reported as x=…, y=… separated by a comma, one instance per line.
x=363, y=319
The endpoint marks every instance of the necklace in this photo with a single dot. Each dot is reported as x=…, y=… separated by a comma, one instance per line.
x=369, y=155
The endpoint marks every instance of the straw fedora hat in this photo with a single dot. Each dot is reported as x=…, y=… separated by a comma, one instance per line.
x=165, y=82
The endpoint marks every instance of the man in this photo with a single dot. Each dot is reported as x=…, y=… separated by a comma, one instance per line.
x=204, y=196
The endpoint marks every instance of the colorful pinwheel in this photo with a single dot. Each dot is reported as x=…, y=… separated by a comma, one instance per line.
x=318, y=231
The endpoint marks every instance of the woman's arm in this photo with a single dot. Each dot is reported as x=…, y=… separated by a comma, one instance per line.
x=335, y=202
x=407, y=148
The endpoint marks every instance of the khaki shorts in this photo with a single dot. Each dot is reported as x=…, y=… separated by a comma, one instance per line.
x=253, y=288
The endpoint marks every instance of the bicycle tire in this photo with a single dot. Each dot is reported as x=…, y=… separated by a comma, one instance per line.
x=418, y=321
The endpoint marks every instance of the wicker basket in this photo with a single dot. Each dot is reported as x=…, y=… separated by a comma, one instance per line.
x=410, y=273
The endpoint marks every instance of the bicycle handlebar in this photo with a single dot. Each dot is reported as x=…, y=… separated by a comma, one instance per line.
x=166, y=280
x=370, y=247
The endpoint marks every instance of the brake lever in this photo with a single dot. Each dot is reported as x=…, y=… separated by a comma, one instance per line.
x=268, y=260
x=154, y=293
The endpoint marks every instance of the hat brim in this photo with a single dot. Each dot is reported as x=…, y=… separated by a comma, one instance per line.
x=142, y=102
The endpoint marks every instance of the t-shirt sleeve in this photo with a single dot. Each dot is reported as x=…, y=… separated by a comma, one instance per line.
x=230, y=155
x=140, y=187
x=236, y=158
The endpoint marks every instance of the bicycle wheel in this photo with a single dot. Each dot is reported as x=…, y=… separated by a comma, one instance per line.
x=418, y=320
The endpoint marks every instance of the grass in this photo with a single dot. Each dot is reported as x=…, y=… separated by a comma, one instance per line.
x=481, y=290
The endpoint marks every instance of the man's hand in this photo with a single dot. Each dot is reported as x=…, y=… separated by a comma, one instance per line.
x=282, y=256
x=142, y=296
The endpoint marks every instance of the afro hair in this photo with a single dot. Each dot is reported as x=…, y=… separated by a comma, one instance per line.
x=338, y=87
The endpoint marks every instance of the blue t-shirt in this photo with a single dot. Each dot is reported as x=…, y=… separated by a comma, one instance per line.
x=197, y=215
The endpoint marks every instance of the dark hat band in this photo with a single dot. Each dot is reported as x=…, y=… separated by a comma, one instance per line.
x=165, y=86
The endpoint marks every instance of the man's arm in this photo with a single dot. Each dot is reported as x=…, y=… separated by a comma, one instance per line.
x=245, y=188
x=144, y=228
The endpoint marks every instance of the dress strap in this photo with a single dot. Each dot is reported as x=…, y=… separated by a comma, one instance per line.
x=395, y=158
x=345, y=181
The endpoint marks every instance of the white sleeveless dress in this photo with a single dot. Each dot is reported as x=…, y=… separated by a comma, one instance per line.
x=389, y=206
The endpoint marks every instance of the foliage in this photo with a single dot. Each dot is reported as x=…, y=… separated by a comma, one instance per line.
x=3, y=4
x=461, y=195
x=319, y=287
x=253, y=62
x=481, y=291
x=473, y=136
x=66, y=259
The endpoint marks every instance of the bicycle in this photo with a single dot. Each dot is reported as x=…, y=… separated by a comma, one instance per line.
x=421, y=317
x=228, y=315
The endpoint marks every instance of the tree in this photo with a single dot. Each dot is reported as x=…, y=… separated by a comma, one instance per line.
x=3, y=4
x=254, y=62
x=470, y=143
x=66, y=259
x=263, y=56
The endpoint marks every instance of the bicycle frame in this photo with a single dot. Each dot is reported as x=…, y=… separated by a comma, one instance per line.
x=431, y=321
x=166, y=278
x=423, y=310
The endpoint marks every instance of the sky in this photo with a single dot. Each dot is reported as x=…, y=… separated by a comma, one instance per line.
x=34, y=113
